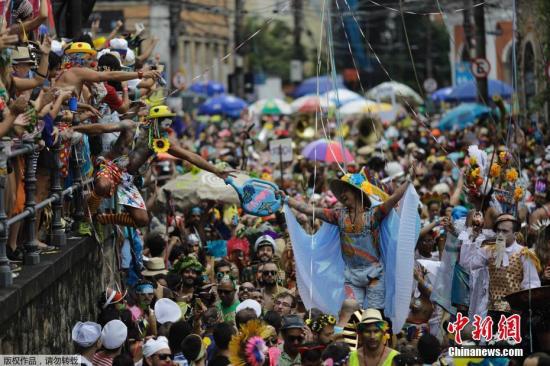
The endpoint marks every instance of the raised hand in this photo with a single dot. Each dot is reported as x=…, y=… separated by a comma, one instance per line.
x=46, y=45
x=7, y=40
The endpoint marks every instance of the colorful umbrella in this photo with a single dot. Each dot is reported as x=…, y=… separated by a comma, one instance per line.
x=310, y=104
x=462, y=116
x=227, y=105
x=341, y=96
x=271, y=106
x=327, y=151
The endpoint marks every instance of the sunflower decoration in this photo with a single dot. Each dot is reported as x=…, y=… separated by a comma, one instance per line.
x=157, y=136
x=317, y=324
x=511, y=175
x=161, y=145
x=495, y=170
x=477, y=182
x=248, y=347
x=505, y=180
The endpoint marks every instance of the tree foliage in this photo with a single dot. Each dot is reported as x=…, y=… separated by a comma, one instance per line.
x=271, y=50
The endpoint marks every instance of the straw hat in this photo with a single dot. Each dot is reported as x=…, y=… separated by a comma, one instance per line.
x=357, y=181
x=21, y=55
x=154, y=266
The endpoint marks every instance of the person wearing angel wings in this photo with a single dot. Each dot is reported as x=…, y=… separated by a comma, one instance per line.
x=359, y=224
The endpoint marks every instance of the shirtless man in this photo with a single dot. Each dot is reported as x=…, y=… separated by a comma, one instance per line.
x=79, y=56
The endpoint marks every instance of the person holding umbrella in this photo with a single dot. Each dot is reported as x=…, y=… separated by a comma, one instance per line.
x=359, y=222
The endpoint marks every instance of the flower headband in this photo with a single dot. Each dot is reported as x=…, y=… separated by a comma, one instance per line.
x=321, y=322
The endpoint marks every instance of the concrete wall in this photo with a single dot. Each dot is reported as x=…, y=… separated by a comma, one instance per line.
x=39, y=311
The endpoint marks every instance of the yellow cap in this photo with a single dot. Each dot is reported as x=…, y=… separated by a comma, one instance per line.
x=81, y=47
x=160, y=111
x=99, y=42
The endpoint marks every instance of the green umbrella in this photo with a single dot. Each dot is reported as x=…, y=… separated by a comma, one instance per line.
x=271, y=108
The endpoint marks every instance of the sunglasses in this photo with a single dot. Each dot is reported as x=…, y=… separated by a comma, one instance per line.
x=225, y=292
x=294, y=339
x=164, y=356
x=269, y=273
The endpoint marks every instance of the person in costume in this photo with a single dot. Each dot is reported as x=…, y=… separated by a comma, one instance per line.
x=248, y=347
x=373, y=336
x=322, y=328
x=128, y=159
x=359, y=222
x=511, y=266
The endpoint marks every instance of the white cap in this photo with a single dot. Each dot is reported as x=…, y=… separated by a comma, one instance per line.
x=264, y=239
x=167, y=311
x=394, y=169
x=441, y=188
x=130, y=58
x=57, y=47
x=193, y=238
x=250, y=304
x=86, y=334
x=152, y=346
x=118, y=44
x=114, y=334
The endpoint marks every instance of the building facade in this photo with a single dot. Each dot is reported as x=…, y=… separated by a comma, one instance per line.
x=193, y=43
x=498, y=37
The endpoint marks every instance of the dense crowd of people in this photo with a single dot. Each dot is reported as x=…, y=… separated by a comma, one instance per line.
x=208, y=283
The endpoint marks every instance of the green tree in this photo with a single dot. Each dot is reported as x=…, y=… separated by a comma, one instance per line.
x=270, y=51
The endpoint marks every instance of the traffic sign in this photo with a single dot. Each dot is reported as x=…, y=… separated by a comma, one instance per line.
x=481, y=67
x=178, y=80
x=430, y=85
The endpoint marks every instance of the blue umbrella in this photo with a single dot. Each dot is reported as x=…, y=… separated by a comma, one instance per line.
x=467, y=92
x=227, y=105
x=462, y=116
x=209, y=88
x=309, y=86
x=442, y=95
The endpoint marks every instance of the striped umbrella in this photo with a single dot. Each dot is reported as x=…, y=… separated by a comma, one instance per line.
x=327, y=151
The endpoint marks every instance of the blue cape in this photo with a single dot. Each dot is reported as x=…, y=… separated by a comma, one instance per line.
x=320, y=267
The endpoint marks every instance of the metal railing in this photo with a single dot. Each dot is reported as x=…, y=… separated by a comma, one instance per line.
x=58, y=235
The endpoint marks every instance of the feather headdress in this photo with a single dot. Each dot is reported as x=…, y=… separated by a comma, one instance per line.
x=248, y=348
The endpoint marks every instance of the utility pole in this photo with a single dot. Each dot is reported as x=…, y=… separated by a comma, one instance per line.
x=467, y=25
x=429, y=64
x=175, y=8
x=479, y=19
x=298, y=7
x=239, y=54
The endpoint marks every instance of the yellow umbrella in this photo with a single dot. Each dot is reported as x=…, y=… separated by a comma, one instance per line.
x=377, y=107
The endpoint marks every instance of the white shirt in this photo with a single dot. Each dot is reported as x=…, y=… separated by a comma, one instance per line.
x=530, y=275
x=85, y=361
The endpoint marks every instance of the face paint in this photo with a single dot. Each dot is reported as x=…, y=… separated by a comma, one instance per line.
x=166, y=123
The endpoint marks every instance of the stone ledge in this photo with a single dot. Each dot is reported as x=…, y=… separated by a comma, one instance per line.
x=32, y=280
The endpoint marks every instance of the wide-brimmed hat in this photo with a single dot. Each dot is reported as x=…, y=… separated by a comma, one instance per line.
x=358, y=181
x=154, y=266
x=21, y=55
x=80, y=47
x=370, y=316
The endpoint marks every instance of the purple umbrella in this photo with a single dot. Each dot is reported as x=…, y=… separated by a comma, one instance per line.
x=327, y=151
